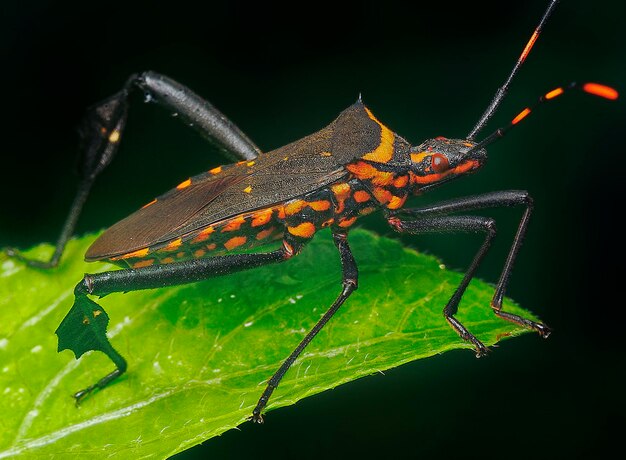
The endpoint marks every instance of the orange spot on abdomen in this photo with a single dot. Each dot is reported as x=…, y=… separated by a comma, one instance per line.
x=261, y=217
x=303, y=230
x=234, y=224
x=235, y=242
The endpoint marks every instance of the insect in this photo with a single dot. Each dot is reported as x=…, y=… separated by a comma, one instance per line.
x=353, y=167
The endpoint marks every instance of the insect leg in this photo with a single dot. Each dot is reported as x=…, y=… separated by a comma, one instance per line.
x=84, y=327
x=505, y=198
x=101, y=132
x=455, y=224
x=349, y=282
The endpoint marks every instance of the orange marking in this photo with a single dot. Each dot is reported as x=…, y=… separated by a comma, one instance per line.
x=281, y=212
x=341, y=192
x=216, y=170
x=234, y=224
x=418, y=157
x=265, y=233
x=131, y=255
x=396, y=202
x=554, y=93
x=235, y=242
x=367, y=171
x=361, y=196
x=199, y=253
x=173, y=245
x=367, y=210
x=431, y=178
x=401, y=181
x=304, y=230
x=146, y=205
x=467, y=166
x=382, y=195
x=342, y=189
x=181, y=254
x=521, y=116
x=248, y=189
x=384, y=152
x=184, y=184
x=211, y=246
x=143, y=263
x=328, y=222
x=347, y=222
x=601, y=90
x=239, y=163
x=114, y=137
x=294, y=207
x=529, y=46
x=261, y=217
x=203, y=235
x=320, y=205
x=167, y=260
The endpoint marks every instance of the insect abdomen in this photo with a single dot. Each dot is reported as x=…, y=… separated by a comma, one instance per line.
x=237, y=233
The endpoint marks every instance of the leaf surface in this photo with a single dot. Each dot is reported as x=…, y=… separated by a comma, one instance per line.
x=199, y=355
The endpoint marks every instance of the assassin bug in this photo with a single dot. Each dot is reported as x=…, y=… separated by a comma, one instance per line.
x=353, y=167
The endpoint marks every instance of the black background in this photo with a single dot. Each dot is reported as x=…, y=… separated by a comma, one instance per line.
x=281, y=72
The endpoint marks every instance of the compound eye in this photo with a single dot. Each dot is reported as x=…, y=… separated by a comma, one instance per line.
x=439, y=163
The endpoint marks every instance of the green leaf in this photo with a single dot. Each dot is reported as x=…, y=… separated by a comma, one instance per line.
x=199, y=355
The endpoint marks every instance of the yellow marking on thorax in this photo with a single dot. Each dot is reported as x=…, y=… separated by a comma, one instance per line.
x=364, y=170
x=384, y=152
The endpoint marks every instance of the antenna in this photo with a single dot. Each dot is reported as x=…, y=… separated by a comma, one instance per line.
x=595, y=89
x=501, y=92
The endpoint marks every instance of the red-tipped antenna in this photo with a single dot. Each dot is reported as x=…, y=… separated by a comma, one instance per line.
x=595, y=89
x=501, y=92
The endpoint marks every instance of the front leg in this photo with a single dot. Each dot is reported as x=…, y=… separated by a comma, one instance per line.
x=432, y=219
x=455, y=224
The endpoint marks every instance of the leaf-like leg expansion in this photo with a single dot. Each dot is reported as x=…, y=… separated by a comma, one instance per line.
x=84, y=327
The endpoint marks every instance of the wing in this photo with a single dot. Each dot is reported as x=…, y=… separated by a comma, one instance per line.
x=271, y=179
